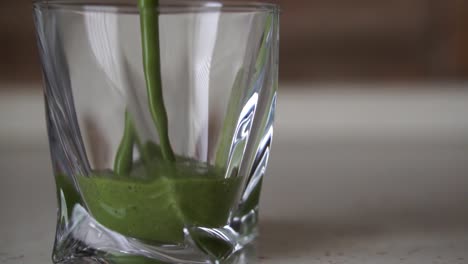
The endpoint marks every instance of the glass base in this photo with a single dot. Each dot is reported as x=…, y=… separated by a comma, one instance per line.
x=81, y=239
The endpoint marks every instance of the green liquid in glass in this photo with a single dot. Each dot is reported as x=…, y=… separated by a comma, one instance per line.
x=156, y=205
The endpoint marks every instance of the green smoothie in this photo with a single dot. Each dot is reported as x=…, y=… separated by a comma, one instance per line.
x=154, y=198
x=155, y=205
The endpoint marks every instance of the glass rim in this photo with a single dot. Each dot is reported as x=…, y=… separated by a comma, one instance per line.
x=173, y=6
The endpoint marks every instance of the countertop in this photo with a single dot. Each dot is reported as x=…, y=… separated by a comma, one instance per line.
x=356, y=176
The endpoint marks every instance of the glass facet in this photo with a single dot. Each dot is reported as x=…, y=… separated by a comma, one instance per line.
x=172, y=180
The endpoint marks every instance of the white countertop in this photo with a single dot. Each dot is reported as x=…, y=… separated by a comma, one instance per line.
x=355, y=177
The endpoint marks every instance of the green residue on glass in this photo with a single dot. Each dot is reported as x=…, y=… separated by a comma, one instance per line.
x=230, y=122
x=65, y=185
x=124, y=158
x=262, y=54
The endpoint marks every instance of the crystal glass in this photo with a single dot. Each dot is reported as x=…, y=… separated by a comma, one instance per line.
x=160, y=124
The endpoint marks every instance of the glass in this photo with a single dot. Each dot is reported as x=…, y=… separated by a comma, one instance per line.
x=160, y=125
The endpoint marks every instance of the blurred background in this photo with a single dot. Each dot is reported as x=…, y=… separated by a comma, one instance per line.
x=321, y=40
x=371, y=144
